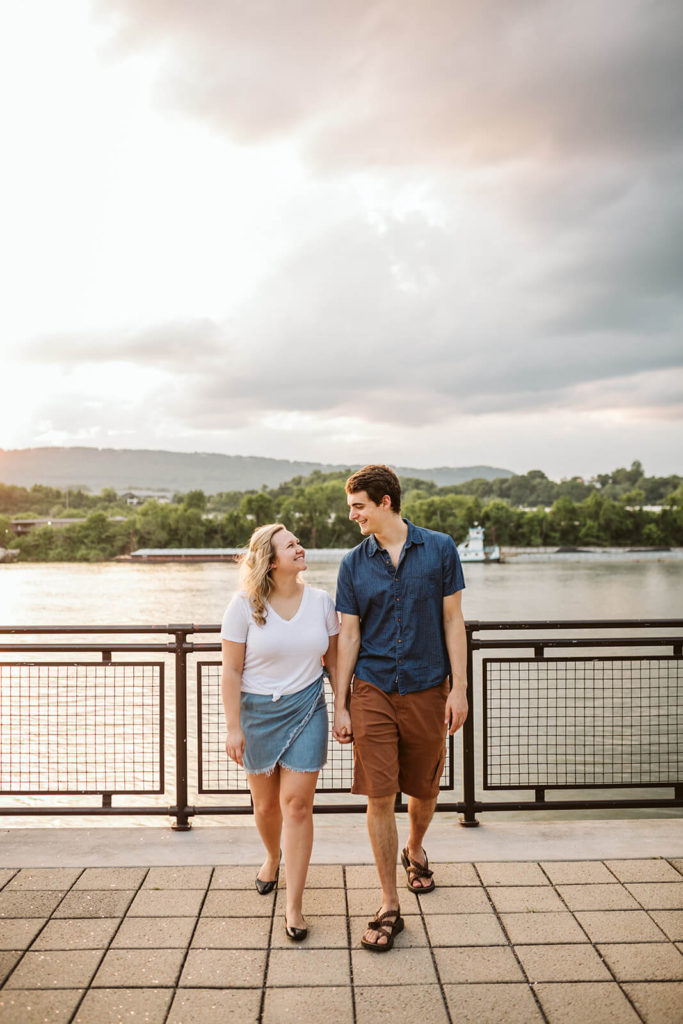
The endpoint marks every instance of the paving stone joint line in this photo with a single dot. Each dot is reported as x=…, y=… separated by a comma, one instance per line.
x=656, y=958
x=514, y=951
x=607, y=966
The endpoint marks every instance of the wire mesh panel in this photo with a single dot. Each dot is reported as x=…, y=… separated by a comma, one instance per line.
x=560, y=723
x=81, y=728
x=218, y=774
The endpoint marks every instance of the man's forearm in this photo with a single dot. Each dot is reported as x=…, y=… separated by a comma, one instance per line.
x=347, y=655
x=456, y=645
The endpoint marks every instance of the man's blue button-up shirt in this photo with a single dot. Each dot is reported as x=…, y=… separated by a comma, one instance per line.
x=402, y=644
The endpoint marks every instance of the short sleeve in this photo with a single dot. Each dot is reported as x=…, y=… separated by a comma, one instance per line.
x=331, y=618
x=452, y=576
x=236, y=620
x=346, y=596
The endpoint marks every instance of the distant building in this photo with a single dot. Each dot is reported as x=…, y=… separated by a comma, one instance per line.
x=20, y=527
x=23, y=526
x=140, y=497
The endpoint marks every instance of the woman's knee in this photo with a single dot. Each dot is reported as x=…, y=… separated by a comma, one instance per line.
x=296, y=807
x=266, y=799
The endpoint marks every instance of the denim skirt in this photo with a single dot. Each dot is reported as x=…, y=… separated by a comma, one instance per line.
x=291, y=731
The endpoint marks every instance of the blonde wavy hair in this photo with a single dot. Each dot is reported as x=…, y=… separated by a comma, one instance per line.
x=255, y=565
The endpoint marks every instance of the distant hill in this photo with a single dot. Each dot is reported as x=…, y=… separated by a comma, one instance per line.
x=159, y=471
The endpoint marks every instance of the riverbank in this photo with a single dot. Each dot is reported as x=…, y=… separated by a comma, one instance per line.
x=157, y=556
x=590, y=554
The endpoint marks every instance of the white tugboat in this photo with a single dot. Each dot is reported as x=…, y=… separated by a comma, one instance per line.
x=473, y=548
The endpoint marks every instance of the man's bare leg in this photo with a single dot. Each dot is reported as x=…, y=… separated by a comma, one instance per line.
x=420, y=814
x=384, y=840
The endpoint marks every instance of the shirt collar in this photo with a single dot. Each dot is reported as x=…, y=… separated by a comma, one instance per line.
x=414, y=537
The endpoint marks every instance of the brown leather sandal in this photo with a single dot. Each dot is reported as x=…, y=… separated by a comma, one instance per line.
x=389, y=924
x=415, y=870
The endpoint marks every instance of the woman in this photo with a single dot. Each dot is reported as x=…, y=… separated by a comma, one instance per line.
x=275, y=633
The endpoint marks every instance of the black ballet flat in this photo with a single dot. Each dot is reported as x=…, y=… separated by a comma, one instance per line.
x=295, y=934
x=263, y=888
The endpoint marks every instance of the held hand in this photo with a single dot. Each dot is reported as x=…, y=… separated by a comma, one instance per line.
x=234, y=745
x=341, y=730
x=456, y=710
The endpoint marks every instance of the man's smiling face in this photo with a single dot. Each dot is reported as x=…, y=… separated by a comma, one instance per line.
x=370, y=517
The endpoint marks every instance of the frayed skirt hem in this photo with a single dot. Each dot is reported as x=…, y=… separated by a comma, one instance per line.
x=289, y=767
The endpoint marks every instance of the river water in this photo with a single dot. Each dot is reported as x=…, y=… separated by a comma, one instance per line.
x=115, y=593
x=130, y=594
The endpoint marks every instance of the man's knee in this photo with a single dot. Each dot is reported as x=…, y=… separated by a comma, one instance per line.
x=422, y=803
x=381, y=806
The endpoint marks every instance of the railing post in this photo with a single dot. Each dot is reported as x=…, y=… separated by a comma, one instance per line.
x=468, y=820
x=182, y=821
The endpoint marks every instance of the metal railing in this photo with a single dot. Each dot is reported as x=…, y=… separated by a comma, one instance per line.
x=549, y=720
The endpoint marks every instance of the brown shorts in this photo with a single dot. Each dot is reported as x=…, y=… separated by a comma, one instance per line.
x=399, y=740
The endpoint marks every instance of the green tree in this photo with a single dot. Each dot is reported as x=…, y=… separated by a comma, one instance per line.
x=532, y=489
x=36, y=545
x=575, y=488
x=153, y=525
x=635, y=497
x=6, y=535
x=195, y=500
x=234, y=529
x=189, y=529
x=448, y=514
x=563, y=522
x=652, y=535
x=604, y=522
x=500, y=522
x=259, y=507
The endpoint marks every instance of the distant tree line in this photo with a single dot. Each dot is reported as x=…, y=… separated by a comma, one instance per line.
x=525, y=510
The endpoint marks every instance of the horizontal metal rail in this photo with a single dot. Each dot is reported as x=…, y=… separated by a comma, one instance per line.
x=180, y=643
x=476, y=625
x=658, y=641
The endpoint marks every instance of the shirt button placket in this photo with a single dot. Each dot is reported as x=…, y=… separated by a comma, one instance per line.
x=398, y=620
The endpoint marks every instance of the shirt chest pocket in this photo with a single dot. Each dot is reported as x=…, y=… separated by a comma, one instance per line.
x=373, y=595
x=422, y=584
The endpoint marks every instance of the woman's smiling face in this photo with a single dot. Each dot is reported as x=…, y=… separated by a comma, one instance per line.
x=289, y=554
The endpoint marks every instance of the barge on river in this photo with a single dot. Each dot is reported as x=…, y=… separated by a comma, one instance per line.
x=473, y=548
x=182, y=555
x=151, y=555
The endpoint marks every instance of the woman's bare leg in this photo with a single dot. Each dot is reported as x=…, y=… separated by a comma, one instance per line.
x=297, y=790
x=265, y=794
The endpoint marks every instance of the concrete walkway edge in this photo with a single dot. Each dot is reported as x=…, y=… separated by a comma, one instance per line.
x=339, y=839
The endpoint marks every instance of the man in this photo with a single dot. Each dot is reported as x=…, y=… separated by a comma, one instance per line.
x=402, y=632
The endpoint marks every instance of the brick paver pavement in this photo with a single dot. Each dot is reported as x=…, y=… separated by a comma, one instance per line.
x=495, y=943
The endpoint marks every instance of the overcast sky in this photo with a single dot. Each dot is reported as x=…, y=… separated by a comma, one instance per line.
x=426, y=232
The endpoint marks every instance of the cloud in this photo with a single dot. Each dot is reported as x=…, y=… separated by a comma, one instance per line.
x=481, y=224
x=549, y=135
x=366, y=83
x=389, y=324
x=163, y=345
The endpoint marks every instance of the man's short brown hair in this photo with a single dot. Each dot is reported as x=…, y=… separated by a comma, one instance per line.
x=376, y=481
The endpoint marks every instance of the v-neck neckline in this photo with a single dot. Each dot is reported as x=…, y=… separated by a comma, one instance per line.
x=296, y=613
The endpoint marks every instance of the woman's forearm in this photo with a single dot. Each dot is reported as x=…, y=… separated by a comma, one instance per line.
x=330, y=663
x=231, y=684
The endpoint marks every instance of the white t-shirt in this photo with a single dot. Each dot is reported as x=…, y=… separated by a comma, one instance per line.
x=282, y=656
